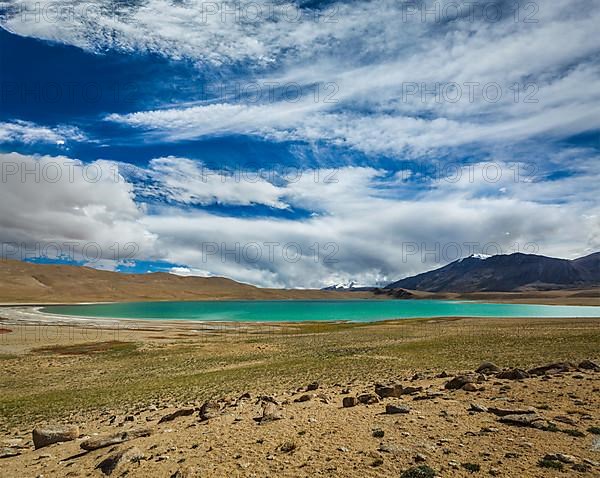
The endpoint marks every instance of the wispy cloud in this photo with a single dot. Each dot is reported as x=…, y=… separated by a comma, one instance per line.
x=29, y=133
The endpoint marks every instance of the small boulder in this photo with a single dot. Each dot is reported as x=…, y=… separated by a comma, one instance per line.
x=460, y=381
x=386, y=391
x=470, y=387
x=513, y=374
x=184, y=412
x=54, y=434
x=529, y=420
x=303, y=398
x=589, y=365
x=102, y=441
x=112, y=462
x=312, y=386
x=368, y=398
x=502, y=412
x=553, y=368
x=410, y=390
x=476, y=407
x=563, y=458
x=392, y=409
x=7, y=452
x=348, y=402
x=209, y=410
x=270, y=412
x=487, y=368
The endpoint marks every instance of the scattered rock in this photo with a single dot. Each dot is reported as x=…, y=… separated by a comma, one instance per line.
x=389, y=448
x=472, y=467
x=470, y=387
x=420, y=458
x=54, y=434
x=312, y=386
x=348, y=402
x=378, y=433
x=392, y=409
x=385, y=391
x=209, y=410
x=513, y=374
x=6, y=452
x=368, y=398
x=567, y=420
x=487, y=368
x=460, y=381
x=130, y=455
x=589, y=365
x=422, y=471
x=410, y=390
x=303, y=398
x=102, y=441
x=184, y=412
x=529, y=420
x=429, y=396
x=270, y=412
x=287, y=447
x=502, y=412
x=552, y=368
x=568, y=459
x=475, y=407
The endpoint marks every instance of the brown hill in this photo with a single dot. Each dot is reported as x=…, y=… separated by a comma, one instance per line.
x=23, y=282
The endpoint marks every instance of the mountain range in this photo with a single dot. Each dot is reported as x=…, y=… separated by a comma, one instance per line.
x=507, y=273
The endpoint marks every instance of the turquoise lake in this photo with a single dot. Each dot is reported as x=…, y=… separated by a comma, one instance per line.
x=316, y=310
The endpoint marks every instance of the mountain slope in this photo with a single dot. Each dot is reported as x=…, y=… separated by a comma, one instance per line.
x=23, y=282
x=507, y=273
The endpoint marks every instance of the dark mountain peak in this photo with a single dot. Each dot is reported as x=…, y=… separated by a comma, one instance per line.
x=506, y=273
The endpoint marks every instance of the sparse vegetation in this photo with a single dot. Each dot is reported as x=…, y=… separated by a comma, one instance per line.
x=66, y=374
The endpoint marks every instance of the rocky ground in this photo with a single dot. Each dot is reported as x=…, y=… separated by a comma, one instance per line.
x=511, y=423
x=403, y=398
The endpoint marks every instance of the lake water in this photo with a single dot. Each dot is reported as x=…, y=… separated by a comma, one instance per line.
x=316, y=310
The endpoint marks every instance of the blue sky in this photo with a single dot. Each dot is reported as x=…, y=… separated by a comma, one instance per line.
x=297, y=144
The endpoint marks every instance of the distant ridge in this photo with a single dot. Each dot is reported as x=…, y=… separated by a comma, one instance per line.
x=24, y=282
x=507, y=273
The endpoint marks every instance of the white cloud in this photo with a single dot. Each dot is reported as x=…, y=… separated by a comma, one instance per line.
x=190, y=182
x=360, y=228
x=28, y=133
x=60, y=206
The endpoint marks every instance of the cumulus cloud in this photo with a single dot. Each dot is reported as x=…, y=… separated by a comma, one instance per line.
x=359, y=227
x=62, y=207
